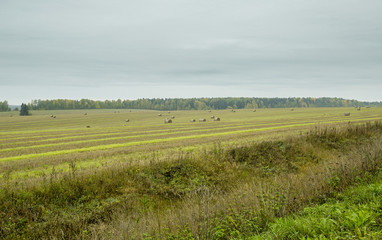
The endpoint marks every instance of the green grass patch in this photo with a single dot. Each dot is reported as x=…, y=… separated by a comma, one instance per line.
x=356, y=214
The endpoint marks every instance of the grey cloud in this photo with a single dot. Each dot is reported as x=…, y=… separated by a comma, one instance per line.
x=248, y=44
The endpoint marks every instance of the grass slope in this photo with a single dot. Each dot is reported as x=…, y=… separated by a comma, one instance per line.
x=356, y=214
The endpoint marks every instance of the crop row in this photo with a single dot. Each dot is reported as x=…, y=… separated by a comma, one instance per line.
x=152, y=141
x=131, y=135
x=68, y=134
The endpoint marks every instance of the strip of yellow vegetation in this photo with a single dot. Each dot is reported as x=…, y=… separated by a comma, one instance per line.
x=143, y=134
x=120, y=145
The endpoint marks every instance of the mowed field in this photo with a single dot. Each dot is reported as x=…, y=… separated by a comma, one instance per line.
x=31, y=146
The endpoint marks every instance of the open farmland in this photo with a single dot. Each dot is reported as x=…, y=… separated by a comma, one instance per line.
x=81, y=147
x=40, y=141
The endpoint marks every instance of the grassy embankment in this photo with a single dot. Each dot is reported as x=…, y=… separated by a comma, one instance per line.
x=355, y=214
x=236, y=187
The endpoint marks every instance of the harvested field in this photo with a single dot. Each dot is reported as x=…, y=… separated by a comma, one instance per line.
x=36, y=152
x=37, y=140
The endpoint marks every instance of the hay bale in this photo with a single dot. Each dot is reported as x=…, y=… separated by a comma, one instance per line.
x=192, y=120
x=172, y=117
x=54, y=116
x=217, y=119
x=358, y=108
x=127, y=120
x=85, y=114
x=167, y=120
x=202, y=120
x=347, y=114
x=159, y=115
x=87, y=126
x=212, y=117
x=254, y=110
x=168, y=112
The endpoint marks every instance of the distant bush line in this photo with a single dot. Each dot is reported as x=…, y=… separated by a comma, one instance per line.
x=197, y=103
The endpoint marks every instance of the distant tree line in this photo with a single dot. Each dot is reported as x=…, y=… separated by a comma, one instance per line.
x=4, y=106
x=197, y=103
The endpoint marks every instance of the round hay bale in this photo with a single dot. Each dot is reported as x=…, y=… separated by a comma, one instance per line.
x=87, y=126
x=347, y=114
x=127, y=120
x=212, y=117
x=85, y=114
x=217, y=119
x=167, y=120
x=159, y=115
x=202, y=120
x=172, y=117
x=254, y=110
x=192, y=120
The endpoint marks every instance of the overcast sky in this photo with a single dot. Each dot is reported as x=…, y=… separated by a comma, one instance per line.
x=132, y=49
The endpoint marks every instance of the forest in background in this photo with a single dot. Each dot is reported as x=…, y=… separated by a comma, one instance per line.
x=193, y=103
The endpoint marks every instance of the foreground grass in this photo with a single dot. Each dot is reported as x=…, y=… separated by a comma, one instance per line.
x=231, y=191
x=356, y=214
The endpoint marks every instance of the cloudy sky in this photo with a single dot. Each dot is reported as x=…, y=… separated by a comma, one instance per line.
x=132, y=49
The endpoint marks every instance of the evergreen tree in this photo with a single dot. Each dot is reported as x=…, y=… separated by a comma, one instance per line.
x=24, y=111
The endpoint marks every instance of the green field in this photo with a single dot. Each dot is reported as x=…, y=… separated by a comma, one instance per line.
x=80, y=147
x=40, y=140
